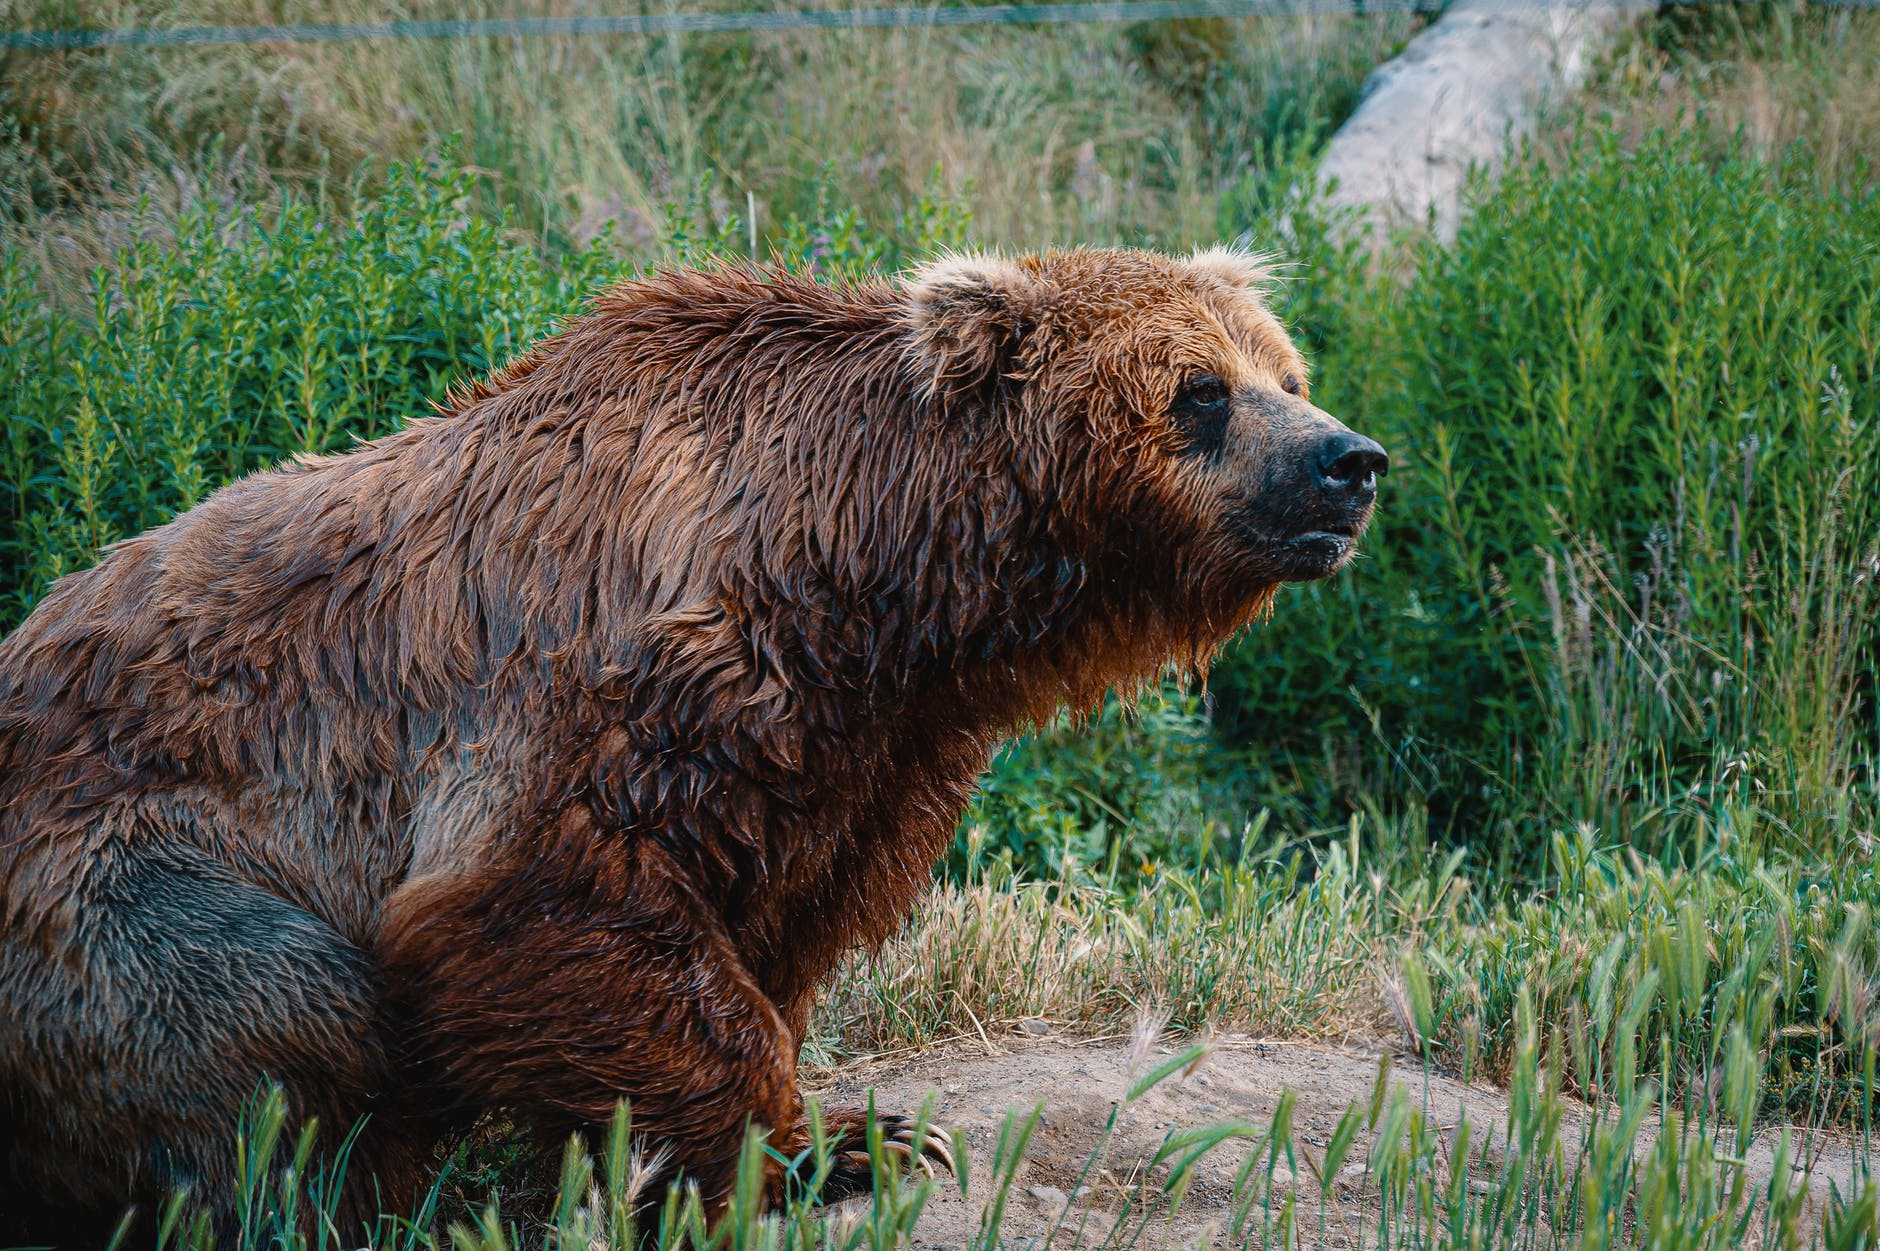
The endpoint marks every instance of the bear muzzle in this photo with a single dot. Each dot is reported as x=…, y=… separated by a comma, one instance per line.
x=1316, y=496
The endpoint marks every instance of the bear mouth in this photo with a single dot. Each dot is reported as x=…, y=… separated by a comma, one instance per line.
x=1302, y=552
x=1317, y=553
x=1299, y=544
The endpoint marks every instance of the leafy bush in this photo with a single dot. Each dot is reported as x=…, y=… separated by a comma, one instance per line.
x=238, y=341
x=1623, y=573
x=242, y=341
x=1123, y=794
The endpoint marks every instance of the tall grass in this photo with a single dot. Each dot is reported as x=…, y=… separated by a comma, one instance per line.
x=1624, y=572
x=1777, y=76
x=1102, y=132
x=1686, y=1008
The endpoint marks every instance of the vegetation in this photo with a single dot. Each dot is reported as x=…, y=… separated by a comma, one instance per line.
x=1578, y=764
x=1668, y=971
x=1782, y=78
x=1626, y=578
x=1122, y=132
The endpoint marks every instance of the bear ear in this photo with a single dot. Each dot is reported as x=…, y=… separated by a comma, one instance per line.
x=968, y=315
x=1237, y=267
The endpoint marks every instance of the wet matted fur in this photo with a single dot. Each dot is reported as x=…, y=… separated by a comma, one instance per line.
x=555, y=749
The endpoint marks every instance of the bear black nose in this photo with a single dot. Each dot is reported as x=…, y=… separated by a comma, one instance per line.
x=1351, y=462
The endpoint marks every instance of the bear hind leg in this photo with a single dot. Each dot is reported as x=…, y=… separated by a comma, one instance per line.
x=192, y=990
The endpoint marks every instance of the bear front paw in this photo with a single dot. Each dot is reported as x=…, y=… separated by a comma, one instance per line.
x=911, y=1142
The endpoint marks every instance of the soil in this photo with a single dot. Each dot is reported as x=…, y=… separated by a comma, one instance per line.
x=1082, y=1083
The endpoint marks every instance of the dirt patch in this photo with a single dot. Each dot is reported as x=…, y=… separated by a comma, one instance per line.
x=1082, y=1084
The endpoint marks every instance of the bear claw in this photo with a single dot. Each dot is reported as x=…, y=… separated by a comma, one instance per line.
x=934, y=1144
x=918, y=1146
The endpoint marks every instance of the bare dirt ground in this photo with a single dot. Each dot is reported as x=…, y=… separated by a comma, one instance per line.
x=1081, y=1082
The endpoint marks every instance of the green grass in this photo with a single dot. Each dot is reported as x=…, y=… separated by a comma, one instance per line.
x=1708, y=996
x=1282, y=943
x=1696, y=1001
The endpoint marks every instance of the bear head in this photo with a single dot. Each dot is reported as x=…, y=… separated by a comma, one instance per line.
x=1159, y=409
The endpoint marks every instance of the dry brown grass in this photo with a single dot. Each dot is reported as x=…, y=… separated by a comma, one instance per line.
x=1258, y=956
x=1100, y=132
x=1785, y=77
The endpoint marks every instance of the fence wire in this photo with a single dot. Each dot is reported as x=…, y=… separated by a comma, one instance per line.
x=675, y=23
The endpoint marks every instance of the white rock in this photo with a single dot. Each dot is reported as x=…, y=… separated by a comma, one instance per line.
x=1050, y=1198
x=1471, y=81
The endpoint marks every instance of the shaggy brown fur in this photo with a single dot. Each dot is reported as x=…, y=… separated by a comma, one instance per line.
x=556, y=749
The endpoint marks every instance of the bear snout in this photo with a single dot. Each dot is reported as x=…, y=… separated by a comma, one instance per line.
x=1317, y=488
x=1324, y=483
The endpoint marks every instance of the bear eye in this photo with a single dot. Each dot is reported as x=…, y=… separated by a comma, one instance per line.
x=1206, y=391
x=1201, y=410
x=1291, y=385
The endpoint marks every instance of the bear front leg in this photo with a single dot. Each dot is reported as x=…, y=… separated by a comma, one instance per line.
x=553, y=997
x=845, y=1131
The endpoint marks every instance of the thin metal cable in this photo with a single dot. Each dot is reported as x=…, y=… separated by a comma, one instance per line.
x=699, y=23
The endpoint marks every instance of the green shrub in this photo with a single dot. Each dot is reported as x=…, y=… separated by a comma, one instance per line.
x=1623, y=572
x=239, y=340
x=1122, y=794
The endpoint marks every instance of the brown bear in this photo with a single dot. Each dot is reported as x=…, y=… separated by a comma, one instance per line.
x=553, y=750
